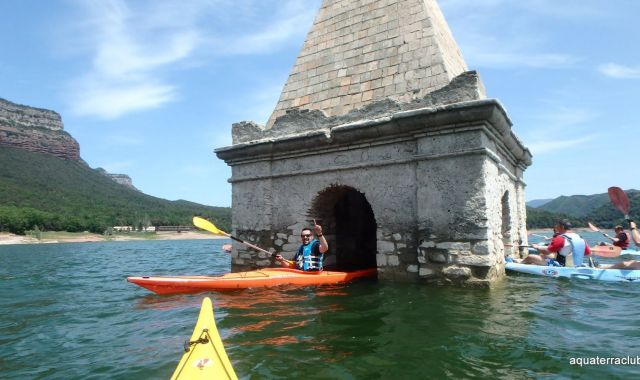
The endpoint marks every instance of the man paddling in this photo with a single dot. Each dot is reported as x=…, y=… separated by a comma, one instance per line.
x=629, y=264
x=310, y=255
x=564, y=243
x=622, y=238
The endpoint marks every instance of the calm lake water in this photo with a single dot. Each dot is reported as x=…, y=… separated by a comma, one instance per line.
x=68, y=313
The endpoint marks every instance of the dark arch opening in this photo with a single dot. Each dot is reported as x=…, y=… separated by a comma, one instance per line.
x=349, y=225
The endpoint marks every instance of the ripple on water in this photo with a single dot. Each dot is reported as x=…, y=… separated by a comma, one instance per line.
x=86, y=321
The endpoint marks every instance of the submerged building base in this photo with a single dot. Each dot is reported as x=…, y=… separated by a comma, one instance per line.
x=426, y=193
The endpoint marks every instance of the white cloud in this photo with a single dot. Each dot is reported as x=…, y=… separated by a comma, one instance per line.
x=292, y=23
x=505, y=34
x=549, y=146
x=112, y=100
x=617, y=71
x=481, y=56
x=559, y=128
x=133, y=46
x=130, y=51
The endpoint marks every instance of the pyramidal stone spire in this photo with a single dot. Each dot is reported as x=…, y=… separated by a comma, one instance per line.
x=363, y=51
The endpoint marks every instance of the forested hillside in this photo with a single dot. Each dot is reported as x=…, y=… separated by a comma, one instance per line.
x=581, y=209
x=38, y=189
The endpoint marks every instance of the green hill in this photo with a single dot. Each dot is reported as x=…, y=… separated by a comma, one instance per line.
x=576, y=205
x=581, y=209
x=38, y=189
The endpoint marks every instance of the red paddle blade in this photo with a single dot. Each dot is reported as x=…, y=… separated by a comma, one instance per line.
x=619, y=199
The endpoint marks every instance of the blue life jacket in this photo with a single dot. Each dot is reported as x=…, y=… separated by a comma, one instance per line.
x=307, y=259
x=578, y=246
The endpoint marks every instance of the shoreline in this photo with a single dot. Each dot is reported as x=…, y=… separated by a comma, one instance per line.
x=7, y=238
x=86, y=237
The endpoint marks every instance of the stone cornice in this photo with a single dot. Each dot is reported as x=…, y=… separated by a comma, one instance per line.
x=405, y=124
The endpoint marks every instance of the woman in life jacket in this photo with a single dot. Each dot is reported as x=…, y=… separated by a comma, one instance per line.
x=564, y=243
x=310, y=254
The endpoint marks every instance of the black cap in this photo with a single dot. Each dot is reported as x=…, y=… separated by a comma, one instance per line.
x=565, y=223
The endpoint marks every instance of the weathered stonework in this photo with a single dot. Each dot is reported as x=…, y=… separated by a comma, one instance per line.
x=424, y=183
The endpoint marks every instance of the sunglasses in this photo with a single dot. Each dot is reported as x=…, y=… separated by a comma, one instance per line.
x=306, y=235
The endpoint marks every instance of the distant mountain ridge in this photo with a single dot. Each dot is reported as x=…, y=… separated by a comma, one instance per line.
x=538, y=202
x=596, y=208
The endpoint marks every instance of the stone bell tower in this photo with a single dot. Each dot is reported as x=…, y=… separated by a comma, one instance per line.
x=382, y=135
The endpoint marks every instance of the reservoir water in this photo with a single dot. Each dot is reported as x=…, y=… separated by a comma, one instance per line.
x=68, y=313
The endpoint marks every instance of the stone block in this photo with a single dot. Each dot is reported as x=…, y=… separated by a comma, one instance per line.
x=428, y=244
x=481, y=248
x=475, y=260
x=393, y=260
x=290, y=247
x=426, y=272
x=437, y=257
x=381, y=260
x=397, y=237
x=386, y=247
x=454, y=245
x=457, y=273
x=412, y=268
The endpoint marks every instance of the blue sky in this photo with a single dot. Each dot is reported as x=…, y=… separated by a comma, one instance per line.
x=151, y=88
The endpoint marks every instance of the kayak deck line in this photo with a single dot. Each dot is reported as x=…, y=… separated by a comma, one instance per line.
x=205, y=356
x=586, y=273
x=251, y=279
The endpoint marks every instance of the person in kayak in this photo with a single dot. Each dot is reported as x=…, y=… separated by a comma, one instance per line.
x=564, y=243
x=622, y=238
x=310, y=255
x=634, y=233
x=629, y=264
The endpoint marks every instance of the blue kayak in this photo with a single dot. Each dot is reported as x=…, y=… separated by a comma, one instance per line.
x=630, y=253
x=600, y=274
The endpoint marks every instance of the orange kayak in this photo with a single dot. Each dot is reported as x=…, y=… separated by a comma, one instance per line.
x=242, y=280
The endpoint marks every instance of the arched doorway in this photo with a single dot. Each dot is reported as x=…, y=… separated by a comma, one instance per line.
x=350, y=227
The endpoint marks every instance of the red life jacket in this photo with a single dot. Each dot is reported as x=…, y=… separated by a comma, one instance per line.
x=623, y=244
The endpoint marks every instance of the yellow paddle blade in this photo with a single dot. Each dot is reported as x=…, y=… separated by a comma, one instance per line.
x=207, y=225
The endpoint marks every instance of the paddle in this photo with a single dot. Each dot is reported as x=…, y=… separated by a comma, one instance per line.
x=208, y=226
x=620, y=200
x=595, y=229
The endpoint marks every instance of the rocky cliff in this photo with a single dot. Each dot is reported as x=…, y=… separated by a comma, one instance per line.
x=122, y=179
x=36, y=130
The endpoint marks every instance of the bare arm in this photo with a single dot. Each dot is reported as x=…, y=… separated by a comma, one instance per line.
x=634, y=233
x=324, y=246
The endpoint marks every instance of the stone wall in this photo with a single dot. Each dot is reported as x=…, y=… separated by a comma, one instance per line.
x=437, y=180
x=362, y=51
